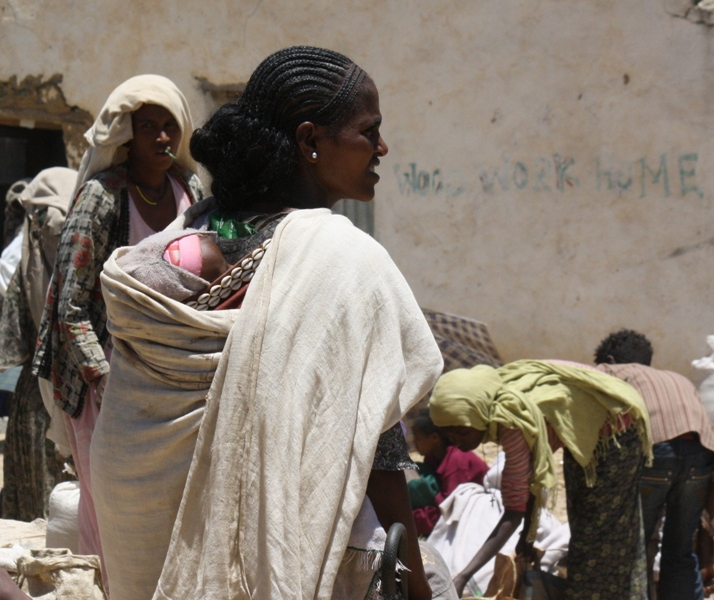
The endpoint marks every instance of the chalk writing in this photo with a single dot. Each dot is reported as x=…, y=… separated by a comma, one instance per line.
x=424, y=182
x=687, y=173
x=646, y=176
x=544, y=175
x=560, y=173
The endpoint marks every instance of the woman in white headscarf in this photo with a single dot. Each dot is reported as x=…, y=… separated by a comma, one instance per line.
x=134, y=179
x=31, y=468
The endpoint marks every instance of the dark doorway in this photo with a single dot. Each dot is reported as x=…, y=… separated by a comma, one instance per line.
x=25, y=152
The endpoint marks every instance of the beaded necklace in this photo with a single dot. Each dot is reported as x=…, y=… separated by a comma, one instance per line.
x=159, y=199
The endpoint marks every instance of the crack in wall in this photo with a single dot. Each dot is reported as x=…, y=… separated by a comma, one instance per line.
x=691, y=248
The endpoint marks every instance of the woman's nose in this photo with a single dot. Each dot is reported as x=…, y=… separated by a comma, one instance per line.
x=163, y=137
x=382, y=147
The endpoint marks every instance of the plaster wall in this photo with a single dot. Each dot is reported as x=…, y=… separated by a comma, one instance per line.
x=551, y=169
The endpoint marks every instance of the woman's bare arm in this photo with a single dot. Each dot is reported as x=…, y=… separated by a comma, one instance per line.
x=387, y=490
x=505, y=528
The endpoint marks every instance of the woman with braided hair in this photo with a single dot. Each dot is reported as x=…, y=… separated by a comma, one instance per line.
x=256, y=409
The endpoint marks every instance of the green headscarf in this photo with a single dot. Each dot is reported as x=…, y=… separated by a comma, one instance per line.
x=478, y=398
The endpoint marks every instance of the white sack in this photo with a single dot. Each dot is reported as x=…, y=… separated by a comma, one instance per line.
x=62, y=525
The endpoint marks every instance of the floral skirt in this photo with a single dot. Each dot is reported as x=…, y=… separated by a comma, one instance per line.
x=606, y=556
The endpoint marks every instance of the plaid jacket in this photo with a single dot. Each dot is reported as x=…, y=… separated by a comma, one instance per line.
x=73, y=330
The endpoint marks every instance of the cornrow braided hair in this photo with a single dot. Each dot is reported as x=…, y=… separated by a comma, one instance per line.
x=248, y=145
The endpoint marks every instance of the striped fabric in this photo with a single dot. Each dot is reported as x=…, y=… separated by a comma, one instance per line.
x=515, y=482
x=671, y=399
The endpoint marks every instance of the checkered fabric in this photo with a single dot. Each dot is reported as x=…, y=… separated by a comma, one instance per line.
x=463, y=342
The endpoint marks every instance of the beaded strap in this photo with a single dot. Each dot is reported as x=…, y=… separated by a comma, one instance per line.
x=236, y=278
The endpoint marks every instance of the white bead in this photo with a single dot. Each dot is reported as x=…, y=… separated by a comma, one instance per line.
x=258, y=254
x=236, y=272
x=247, y=263
x=236, y=285
x=214, y=301
x=214, y=291
x=225, y=293
x=248, y=276
x=226, y=281
x=267, y=243
x=203, y=298
x=192, y=304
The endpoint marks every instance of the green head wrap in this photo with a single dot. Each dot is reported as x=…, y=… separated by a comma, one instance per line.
x=478, y=398
x=465, y=397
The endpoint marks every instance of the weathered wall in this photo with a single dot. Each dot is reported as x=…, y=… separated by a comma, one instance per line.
x=551, y=162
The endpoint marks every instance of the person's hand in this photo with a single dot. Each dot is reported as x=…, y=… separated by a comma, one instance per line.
x=460, y=582
x=101, y=385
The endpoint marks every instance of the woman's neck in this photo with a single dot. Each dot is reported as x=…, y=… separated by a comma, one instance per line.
x=146, y=177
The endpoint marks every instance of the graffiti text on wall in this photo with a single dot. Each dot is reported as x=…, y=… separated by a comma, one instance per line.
x=431, y=182
x=664, y=176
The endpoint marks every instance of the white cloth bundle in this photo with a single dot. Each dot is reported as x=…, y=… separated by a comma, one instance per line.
x=329, y=349
x=468, y=518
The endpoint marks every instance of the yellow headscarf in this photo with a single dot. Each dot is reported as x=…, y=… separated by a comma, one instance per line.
x=577, y=402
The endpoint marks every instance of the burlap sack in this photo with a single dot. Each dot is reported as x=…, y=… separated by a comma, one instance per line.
x=57, y=574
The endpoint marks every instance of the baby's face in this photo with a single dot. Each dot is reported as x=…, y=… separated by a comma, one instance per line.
x=213, y=264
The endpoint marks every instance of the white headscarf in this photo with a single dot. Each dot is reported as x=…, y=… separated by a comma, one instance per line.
x=51, y=189
x=112, y=129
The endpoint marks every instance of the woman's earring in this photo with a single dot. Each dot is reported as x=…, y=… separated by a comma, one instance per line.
x=314, y=154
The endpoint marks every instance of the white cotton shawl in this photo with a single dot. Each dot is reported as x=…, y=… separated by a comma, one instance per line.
x=328, y=350
x=163, y=362
x=112, y=129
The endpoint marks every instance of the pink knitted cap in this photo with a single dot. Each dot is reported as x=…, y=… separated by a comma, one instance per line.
x=186, y=253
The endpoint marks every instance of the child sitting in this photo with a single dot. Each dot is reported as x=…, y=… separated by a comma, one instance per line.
x=445, y=467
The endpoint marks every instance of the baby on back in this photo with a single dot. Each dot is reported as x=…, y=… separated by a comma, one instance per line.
x=177, y=264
